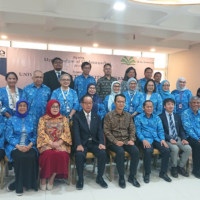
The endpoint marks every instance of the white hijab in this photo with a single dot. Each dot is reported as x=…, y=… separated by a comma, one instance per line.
x=178, y=86
x=112, y=95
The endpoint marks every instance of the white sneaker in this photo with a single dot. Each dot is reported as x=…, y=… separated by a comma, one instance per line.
x=19, y=194
x=43, y=187
x=49, y=187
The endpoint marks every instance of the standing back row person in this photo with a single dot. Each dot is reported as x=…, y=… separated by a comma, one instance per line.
x=104, y=83
x=52, y=78
x=157, y=78
x=148, y=72
x=81, y=82
x=130, y=73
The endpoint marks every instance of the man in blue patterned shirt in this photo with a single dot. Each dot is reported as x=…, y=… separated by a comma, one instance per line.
x=157, y=78
x=81, y=82
x=148, y=72
x=149, y=130
x=191, y=124
x=37, y=94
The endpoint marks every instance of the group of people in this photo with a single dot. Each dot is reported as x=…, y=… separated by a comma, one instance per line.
x=128, y=116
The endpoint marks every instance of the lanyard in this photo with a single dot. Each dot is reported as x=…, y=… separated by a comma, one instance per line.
x=132, y=97
x=181, y=95
x=64, y=95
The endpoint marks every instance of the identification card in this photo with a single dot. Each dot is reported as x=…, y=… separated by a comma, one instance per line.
x=68, y=109
x=180, y=105
x=131, y=109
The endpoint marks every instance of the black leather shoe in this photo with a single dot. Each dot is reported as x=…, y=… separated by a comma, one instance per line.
x=101, y=182
x=182, y=171
x=165, y=177
x=133, y=181
x=80, y=183
x=11, y=187
x=196, y=173
x=146, y=178
x=122, y=182
x=174, y=172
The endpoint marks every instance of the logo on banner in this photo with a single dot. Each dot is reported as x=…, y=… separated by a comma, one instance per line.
x=2, y=53
x=128, y=61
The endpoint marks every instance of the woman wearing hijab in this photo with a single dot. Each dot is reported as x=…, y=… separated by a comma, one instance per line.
x=54, y=145
x=21, y=139
x=130, y=73
x=9, y=95
x=151, y=94
x=109, y=100
x=98, y=106
x=67, y=97
x=182, y=96
x=134, y=98
x=165, y=93
x=198, y=93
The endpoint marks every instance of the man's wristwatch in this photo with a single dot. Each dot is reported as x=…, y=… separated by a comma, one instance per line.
x=69, y=117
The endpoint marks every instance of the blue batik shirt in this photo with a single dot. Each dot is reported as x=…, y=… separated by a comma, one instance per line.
x=149, y=129
x=182, y=100
x=191, y=123
x=67, y=105
x=81, y=83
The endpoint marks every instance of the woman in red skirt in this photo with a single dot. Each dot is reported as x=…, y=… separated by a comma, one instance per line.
x=54, y=145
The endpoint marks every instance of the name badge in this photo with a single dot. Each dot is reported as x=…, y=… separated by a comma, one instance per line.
x=180, y=105
x=68, y=109
x=131, y=109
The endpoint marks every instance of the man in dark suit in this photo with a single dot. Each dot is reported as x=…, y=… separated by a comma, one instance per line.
x=88, y=136
x=175, y=138
x=51, y=78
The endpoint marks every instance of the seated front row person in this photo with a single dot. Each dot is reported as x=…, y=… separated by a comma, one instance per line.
x=88, y=136
x=175, y=138
x=21, y=136
x=149, y=130
x=191, y=124
x=54, y=145
x=119, y=130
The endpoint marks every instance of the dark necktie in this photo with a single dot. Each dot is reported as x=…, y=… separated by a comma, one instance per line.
x=88, y=120
x=174, y=135
x=58, y=73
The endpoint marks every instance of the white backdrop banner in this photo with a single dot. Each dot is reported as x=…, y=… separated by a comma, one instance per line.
x=24, y=61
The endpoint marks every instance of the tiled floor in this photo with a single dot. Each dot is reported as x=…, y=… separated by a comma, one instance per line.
x=179, y=189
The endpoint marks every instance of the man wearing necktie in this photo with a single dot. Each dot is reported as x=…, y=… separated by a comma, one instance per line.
x=52, y=78
x=176, y=138
x=88, y=137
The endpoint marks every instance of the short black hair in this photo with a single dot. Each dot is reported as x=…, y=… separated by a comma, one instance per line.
x=56, y=58
x=107, y=64
x=145, y=86
x=127, y=71
x=84, y=64
x=83, y=97
x=11, y=73
x=119, y=95
x=144, y=104
x=157, y=73
x=168, y=100
x=148, y=69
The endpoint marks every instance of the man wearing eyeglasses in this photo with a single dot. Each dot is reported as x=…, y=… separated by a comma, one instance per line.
x=52, y=78
x=37, y=94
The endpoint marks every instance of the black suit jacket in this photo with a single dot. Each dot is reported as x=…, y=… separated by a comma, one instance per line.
x=51, y=80
x=82, y=132
x=178, y=124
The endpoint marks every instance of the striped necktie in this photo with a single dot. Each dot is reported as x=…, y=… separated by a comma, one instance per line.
x=174, y=135
x=88, y=120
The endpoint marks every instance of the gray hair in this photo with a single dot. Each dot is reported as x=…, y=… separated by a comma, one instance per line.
x=37, y=71
x=61, y=77
x=194, y=98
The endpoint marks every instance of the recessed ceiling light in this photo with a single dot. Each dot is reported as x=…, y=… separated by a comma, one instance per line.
x=95, y=45
x=153, y=50
x=119, y=6
x=4, y=37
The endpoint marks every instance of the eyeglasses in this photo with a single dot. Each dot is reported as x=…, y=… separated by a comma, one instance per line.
x=132, y=84
x=182, y=82
x=166, y=85
x=58, y=62
x=38, y=77
x=65, y=80
x=116, y=86
x=55, y=107
x=22, y=106
x=108, y=69
x=87, y=68
x=92, y=88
